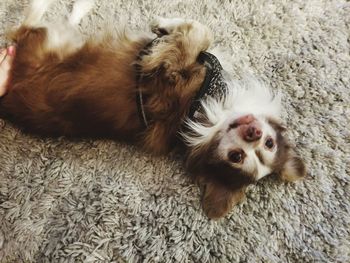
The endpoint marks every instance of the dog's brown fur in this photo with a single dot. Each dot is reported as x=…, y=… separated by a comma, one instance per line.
x=92, y=91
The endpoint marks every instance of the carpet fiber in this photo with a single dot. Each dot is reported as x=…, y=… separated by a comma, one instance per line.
x=104, y=201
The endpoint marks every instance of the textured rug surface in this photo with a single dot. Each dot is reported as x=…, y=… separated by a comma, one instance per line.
x=104, y=201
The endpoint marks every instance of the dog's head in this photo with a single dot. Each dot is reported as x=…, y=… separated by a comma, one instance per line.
x=238, y=141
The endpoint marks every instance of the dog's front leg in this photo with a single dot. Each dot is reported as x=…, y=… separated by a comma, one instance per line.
x=198, y=35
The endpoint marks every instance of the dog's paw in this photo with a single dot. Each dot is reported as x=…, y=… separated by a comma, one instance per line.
x=156, y=29
x=164, y=26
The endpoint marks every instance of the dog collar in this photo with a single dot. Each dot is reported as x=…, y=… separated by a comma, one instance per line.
x=212, y=86
x=140, y=98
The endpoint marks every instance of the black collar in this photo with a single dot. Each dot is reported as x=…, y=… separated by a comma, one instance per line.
x=212, y=86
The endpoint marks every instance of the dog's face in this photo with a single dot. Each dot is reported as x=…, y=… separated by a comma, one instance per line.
x=241, y=146
x=249, y=143
x=252, y=146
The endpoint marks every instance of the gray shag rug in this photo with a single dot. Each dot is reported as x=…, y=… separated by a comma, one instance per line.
x=104, y=201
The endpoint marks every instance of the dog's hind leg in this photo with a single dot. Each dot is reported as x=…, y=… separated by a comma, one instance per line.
x=31, y=35
x=65, y=38
x=80, y=9
x=39, y=42
x=59, y=38
x=35, y=12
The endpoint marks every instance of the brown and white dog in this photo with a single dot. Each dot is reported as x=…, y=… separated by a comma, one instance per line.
x=64, y=84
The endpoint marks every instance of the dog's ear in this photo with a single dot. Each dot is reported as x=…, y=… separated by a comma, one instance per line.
x=290, y=167
x=218, y=199
x=293, y=168
x=222, y=186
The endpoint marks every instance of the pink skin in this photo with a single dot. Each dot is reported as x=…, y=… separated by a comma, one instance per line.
x=6, y=58
x=248, y=128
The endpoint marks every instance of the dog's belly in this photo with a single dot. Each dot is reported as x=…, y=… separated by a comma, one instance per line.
x=90, y=93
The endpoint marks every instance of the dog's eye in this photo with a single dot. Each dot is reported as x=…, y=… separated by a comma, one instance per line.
x=235, y=156
x=269, y=143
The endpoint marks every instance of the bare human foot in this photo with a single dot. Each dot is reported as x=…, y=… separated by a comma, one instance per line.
x=6, y=58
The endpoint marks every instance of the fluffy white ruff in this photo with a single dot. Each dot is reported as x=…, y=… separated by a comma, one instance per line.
x=247, y=96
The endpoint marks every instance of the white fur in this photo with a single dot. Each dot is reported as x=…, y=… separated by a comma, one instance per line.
x=36, y=11
x=248, y=96
x=64, y=35
x=169, y=23
x=262, y=170
x=80, y=9
x=253, y=165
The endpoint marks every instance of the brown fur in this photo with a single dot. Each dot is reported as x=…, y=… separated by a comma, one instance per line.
x=92, y=91
x=288, y=166
x=218, y=199
x=223, y=186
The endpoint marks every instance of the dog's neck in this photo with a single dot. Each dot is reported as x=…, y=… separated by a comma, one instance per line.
x=140, y=99
x=213, y=84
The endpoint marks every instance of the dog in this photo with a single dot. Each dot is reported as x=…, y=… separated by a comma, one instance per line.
x=159, y=92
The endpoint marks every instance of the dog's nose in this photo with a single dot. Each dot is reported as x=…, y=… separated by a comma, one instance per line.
x=252, y=133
